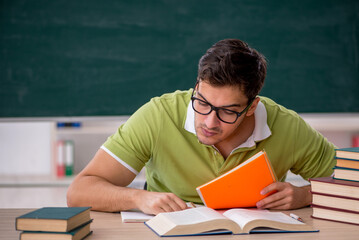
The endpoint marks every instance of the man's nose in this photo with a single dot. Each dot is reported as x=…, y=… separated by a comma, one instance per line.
x=212, y=120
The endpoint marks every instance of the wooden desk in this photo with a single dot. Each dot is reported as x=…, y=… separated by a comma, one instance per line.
x=110, y=226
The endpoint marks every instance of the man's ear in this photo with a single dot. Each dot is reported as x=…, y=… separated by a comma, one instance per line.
x=253, y=107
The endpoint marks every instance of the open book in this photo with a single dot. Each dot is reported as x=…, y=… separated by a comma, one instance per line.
x=206, y=221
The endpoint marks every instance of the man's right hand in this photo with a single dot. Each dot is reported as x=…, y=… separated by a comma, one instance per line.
x=157, y=202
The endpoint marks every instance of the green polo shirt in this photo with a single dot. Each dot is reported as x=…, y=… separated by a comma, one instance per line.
x=160, y=136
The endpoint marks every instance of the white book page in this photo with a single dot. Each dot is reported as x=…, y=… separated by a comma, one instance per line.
x=243, y=216
x=193, y=216
x=135, y=216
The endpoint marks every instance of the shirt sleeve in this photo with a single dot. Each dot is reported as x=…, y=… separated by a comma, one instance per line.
x=314, y=153
x=132, y=144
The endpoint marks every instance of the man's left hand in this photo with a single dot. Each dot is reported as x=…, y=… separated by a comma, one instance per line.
x=285, y=196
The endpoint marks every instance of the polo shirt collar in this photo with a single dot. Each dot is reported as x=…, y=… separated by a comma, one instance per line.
x=261, y=130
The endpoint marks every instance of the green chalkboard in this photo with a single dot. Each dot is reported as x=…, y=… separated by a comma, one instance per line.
x=107, y=58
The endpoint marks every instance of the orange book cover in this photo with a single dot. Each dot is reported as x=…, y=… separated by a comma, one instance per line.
x=241, y=186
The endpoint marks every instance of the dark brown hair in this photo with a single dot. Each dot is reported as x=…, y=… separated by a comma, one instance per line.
x=231, y=62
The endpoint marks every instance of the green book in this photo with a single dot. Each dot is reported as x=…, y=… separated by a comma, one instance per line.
x=348, y=153
x=78, y=233
x=53, y=219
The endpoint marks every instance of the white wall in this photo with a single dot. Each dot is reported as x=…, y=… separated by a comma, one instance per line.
x=26, y=148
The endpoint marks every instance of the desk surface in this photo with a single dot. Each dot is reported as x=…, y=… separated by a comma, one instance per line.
x=110, y=226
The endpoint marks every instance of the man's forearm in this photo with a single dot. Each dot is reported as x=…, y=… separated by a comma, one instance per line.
x=101, y=195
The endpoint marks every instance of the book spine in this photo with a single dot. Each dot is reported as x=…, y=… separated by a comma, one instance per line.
x=346, y=179
x=346, y=168
x=334, y=209
x=60, y=165
x=355, y=140
x=328, y=219
x=334, y=196
x=348, y=159
x=330, y=180
x=69, y=157
x=270, y=167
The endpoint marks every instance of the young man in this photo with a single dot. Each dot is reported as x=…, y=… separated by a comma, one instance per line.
x=187, y=138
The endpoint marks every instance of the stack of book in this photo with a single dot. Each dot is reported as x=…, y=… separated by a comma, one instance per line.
x=72, y=223
x=347, y=167
x=337, y=198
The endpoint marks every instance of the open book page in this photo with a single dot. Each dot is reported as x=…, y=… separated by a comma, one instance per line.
x=193, y=221
x=194, y=215
x=135, y=215
x=244, y=216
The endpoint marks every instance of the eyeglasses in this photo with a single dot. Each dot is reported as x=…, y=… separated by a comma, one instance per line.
x=225, y=115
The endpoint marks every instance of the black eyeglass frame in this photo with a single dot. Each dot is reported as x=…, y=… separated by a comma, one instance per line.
x=216, y=109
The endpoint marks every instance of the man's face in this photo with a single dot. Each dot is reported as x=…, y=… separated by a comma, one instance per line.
x=211, y=130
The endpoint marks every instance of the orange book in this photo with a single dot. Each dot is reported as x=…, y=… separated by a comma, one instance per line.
x=241, y=186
